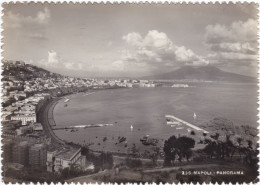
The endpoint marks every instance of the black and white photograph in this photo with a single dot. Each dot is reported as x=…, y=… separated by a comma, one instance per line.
x=129, y=93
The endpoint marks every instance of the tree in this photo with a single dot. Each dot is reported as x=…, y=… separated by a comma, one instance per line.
x=177, y=146
x=249, y=144
x=184, y=145
x=219, y=149
x=239, y=141
x=106, y=160
x=133, y=163
x=155, y=155
x=135, y=150
x=85, y=151
x=169, y=151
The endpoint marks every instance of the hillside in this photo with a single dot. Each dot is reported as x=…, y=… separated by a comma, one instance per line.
x=23, y=72
x=207, y=73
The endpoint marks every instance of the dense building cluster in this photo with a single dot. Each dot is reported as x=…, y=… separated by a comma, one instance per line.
x=39, y=154
x=25, y=90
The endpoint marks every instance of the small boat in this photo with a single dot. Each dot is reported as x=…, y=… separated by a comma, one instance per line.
x=176, y=123
x=179, y=128
x=131, y=127
x=194, y=116
x=173, y=123
x=144, y=138
x=67, y=100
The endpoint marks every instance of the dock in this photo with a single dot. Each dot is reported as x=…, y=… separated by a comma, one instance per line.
x=186, y=123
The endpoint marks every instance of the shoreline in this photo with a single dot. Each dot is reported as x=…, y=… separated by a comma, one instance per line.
x=53, y=102
x=44, y=119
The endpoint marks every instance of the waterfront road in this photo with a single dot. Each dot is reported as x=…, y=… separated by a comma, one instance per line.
x=43, y=118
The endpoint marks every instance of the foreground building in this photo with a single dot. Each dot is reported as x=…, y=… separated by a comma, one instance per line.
x=20, y=153
x=7, y=150
x=37, y=155
x=58, y=160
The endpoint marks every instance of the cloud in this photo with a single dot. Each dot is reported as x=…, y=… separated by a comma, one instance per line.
x=118, y=65
x=56, y=63
x=234, y=46
x=32, y=27
x=158, y=51
x=13, y=20
x=37, y=36
x=237, y=31
x=157, y=39
x=53, y=59
x=133, y=38
x=235, y=42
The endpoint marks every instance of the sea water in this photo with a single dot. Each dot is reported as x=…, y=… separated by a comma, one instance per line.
x=145, y=110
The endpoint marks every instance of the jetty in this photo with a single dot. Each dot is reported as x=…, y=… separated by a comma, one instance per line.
x=186, y=123
x=81, y=126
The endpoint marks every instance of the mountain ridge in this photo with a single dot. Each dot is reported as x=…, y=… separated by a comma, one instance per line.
x=206, y=73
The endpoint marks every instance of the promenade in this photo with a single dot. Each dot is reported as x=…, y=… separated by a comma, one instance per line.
x=45, y=117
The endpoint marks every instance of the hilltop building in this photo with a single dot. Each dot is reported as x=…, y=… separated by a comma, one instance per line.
x=25, y=119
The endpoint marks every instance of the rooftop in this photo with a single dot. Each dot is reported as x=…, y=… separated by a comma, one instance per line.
x=37, y=146
x=23, y=143
x=68, y=153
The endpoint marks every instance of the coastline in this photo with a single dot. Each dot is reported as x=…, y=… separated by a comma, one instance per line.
x=44, y=119
x=66, y=140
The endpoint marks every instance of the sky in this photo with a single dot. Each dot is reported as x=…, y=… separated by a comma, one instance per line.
x=131, y=40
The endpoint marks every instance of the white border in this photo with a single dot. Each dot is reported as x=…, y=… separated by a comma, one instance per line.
x=133, y=1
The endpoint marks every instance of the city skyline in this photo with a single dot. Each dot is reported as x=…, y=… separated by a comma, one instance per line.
x=131, y=41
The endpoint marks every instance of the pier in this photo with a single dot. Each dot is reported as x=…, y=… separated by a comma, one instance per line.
x=186, y=123
x=81, y=126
